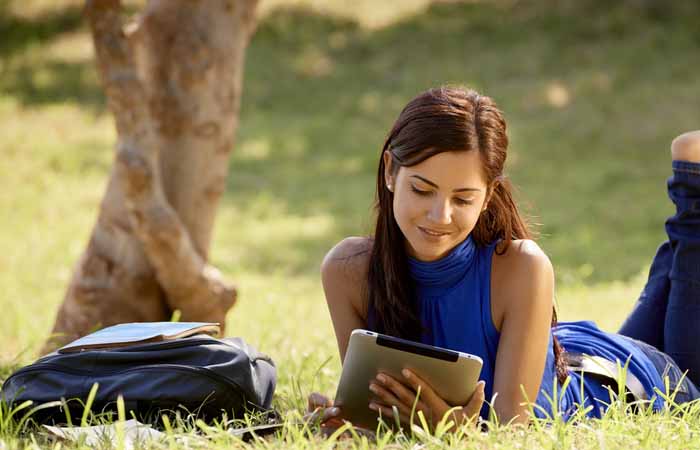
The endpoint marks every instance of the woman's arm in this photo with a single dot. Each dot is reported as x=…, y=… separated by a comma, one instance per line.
x=522, y=296
x=343, y=273
x=344, y=277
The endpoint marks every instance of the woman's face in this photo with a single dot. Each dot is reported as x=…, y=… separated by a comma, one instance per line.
x=437, y=202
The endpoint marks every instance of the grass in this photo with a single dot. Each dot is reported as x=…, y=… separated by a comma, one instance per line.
x=593, y=94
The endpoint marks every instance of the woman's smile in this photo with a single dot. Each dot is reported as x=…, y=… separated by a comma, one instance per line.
x=433, y=235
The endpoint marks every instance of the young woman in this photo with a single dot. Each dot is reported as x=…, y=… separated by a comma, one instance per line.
x=451, y=264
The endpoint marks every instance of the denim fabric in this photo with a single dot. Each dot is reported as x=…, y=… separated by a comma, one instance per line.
x=678, y=383
x=666, y=318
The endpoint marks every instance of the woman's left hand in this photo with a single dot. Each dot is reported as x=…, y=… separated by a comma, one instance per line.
x=402, y=394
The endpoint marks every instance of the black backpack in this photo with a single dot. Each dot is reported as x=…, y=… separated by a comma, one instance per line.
x=199, y=375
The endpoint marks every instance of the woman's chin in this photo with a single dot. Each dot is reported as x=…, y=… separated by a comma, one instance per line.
x=430, y=253
x=425, y=247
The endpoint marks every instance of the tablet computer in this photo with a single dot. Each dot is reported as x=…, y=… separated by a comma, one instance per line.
x=453, y=375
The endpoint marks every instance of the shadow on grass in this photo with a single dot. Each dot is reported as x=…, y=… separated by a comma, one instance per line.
x=19, y=33
x=579, y=84
x=321, y=93
x=36, y=79
x=54, y=82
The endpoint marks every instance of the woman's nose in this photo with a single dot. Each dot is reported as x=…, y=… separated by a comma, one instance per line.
x=440, y=213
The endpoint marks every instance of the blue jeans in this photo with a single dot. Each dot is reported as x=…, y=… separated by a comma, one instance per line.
x=667, y=314
x=678, y=382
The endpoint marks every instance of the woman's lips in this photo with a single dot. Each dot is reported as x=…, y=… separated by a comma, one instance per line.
x=433, y=235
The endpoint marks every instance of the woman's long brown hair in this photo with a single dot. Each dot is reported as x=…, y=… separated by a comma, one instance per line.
x=440, y=120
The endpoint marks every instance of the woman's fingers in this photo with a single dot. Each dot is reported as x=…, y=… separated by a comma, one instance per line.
x=386, y=397
x=317, y=400
x=427, y=394
x=388, y=414
x=391, y=392
x=324, y=415
x=321, y=409
x=330, y=414
x=403, y=394
x=473, y=408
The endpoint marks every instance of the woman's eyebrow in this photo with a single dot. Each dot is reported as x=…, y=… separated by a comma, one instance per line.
x=426, y=181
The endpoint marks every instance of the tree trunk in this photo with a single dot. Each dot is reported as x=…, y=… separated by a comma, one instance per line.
x=173, y=82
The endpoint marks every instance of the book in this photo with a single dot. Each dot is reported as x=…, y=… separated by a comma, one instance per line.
x=126, y=334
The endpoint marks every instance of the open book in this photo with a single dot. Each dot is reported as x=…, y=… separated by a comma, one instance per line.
x=139, y=333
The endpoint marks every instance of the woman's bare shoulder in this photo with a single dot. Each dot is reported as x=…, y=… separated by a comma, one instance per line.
x=523, y=256
x=347, y=261
x=522, y=277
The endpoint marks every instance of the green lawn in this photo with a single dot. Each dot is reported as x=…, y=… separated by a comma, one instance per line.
x=593, y=95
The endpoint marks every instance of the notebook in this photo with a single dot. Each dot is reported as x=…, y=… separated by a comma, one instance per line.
x=126, y=334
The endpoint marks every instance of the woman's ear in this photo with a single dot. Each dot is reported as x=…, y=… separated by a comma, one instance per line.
x=388, y=177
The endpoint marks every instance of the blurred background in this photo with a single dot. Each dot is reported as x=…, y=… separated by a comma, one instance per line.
x=593, y=92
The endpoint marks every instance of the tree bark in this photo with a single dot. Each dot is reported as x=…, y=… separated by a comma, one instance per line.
x=173, y=82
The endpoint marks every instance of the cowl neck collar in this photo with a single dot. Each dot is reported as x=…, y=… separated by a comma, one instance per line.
x=446, y=271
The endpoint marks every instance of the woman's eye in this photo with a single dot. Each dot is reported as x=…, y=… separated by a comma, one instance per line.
x=418, y=191
x=463, y=202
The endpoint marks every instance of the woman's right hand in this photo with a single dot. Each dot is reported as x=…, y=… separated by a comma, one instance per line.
x=320, y=409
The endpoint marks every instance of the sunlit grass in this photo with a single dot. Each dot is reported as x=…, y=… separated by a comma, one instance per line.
x=671, y=428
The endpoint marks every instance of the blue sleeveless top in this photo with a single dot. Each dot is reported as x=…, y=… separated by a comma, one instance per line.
x=454, y=300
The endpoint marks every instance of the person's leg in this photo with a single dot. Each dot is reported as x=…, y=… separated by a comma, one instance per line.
x=646, y=321
x=682, y=322
x=675, y=268
x=679, y=385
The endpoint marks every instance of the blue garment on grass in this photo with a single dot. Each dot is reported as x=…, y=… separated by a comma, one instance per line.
x=454, y=295
x=661, y=333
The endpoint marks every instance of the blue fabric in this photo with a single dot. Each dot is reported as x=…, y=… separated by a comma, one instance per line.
x=658, y=341
x=585, y=337
x=454, y=302
x=679, y=385
x=454, y=295
x=666, y=314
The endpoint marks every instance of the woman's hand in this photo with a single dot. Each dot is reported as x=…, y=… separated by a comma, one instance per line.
x=390, y=392
x=320, y=408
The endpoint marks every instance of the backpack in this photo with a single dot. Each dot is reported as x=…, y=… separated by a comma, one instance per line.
x=199, y=375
